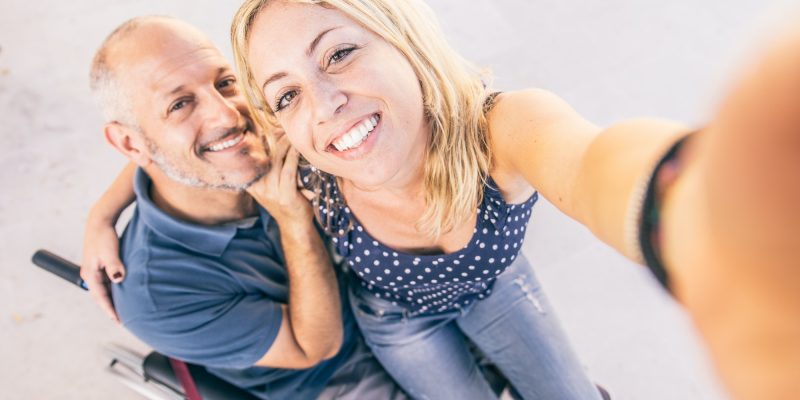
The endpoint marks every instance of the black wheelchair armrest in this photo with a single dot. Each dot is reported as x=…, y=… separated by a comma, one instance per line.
x=157, y=367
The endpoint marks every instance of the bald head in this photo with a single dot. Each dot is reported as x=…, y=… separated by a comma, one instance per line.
x=137, y=40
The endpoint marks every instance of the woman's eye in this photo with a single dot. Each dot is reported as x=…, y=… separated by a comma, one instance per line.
x=339, y=55
x=285, y=100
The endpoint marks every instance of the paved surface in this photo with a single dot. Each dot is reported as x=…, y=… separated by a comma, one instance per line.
x=611, y=60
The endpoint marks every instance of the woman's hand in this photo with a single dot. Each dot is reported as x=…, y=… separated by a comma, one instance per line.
x=100, y=263
x=730, y=228
x=278, y=190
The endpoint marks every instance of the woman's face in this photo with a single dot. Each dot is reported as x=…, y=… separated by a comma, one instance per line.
x=349, y=101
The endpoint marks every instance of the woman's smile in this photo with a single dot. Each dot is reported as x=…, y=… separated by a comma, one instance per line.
x=358, y=141
x=355, y=136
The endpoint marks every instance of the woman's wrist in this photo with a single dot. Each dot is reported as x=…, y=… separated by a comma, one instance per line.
x=646, y=229
x=100, y=216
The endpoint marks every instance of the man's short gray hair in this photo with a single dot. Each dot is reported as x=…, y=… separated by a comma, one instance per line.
x=110, y=94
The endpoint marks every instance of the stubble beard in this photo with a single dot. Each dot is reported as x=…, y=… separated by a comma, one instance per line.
x=188, y=178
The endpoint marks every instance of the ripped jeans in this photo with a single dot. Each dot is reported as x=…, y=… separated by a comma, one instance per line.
x=514, y=326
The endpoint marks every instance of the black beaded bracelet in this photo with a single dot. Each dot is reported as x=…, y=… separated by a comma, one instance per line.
x=649, y=222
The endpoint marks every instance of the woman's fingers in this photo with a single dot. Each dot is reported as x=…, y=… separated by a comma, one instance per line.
x=100, y=263
x=114, y=269
x=288, y=179
x=278, y=190
x=94, y=276
x=267, y=186
x=277, y=155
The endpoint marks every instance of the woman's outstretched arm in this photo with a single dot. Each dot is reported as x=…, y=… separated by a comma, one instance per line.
x=591, y=174
x=729, y=219
x=730, y=231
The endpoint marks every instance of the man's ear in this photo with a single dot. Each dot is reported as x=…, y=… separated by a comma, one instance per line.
x=127, y=141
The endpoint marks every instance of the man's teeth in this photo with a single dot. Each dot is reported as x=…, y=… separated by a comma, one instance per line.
x=356, y=135
x=226, y=144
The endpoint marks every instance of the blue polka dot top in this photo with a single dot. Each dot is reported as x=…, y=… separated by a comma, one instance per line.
x=429, y=284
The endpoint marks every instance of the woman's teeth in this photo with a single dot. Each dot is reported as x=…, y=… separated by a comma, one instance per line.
x=226, y=144
x=357, y=135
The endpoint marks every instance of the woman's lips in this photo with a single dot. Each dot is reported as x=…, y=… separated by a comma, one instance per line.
x=354, y=140
x=357, y=134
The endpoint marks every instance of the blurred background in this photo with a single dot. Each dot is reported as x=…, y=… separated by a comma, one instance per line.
x=611, y=60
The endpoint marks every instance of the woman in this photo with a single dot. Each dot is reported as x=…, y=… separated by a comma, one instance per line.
x=371, y=94
x=402, y=127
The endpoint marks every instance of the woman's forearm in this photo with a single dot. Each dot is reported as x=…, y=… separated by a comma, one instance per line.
x=613, y=175
x=116, y=198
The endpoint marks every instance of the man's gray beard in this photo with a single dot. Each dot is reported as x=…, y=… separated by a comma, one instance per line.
x=182, y=177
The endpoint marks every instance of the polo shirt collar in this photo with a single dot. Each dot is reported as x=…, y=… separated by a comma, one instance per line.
x=211, y=240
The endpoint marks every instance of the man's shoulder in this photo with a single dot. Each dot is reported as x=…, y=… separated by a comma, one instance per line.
x=164, y=273
x=155, y=271
x=158, y=268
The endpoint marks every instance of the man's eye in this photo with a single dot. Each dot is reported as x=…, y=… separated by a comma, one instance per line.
x=178, y=105
x=226, y=83
x=285, y=100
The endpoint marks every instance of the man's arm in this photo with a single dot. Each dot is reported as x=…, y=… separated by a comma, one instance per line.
x=311, y=329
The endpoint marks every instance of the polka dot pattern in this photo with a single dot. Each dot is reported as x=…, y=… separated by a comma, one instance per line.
x=428, y=284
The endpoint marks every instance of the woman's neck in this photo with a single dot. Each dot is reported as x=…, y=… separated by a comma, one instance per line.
x=407, y=182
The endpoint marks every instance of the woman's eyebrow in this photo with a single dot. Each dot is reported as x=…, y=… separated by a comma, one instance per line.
x=311, y=47
x=317, y=39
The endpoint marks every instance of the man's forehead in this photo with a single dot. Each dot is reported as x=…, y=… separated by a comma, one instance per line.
x=167, y=51
x=199, y=64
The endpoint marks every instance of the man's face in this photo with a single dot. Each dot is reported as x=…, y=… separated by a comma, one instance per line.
x=193, y=119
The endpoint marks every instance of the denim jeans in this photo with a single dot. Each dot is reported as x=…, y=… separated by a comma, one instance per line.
x=361, y=377
x=515, y=327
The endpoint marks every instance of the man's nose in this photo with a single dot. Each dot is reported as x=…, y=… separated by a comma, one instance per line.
x=222, y=112
x=327, y=99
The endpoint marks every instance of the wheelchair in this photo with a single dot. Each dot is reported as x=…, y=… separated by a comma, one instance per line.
x=153, y=375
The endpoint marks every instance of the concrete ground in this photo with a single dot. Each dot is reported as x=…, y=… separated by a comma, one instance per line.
x=610, y=60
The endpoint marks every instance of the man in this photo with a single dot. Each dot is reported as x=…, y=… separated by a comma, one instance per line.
x=213, y=278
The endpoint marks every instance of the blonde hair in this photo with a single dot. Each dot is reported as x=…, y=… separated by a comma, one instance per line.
x=458, y=153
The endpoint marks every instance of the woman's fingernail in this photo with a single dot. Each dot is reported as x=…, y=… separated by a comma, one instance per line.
x=117, y=275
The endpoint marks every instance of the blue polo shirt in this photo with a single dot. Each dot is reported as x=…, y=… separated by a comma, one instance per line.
x=211, y=295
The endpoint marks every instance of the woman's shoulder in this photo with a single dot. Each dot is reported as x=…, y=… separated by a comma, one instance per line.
x=526, y=104
x=516, y=116
x=528, y=114
x=535, y=135
x=503, y=109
